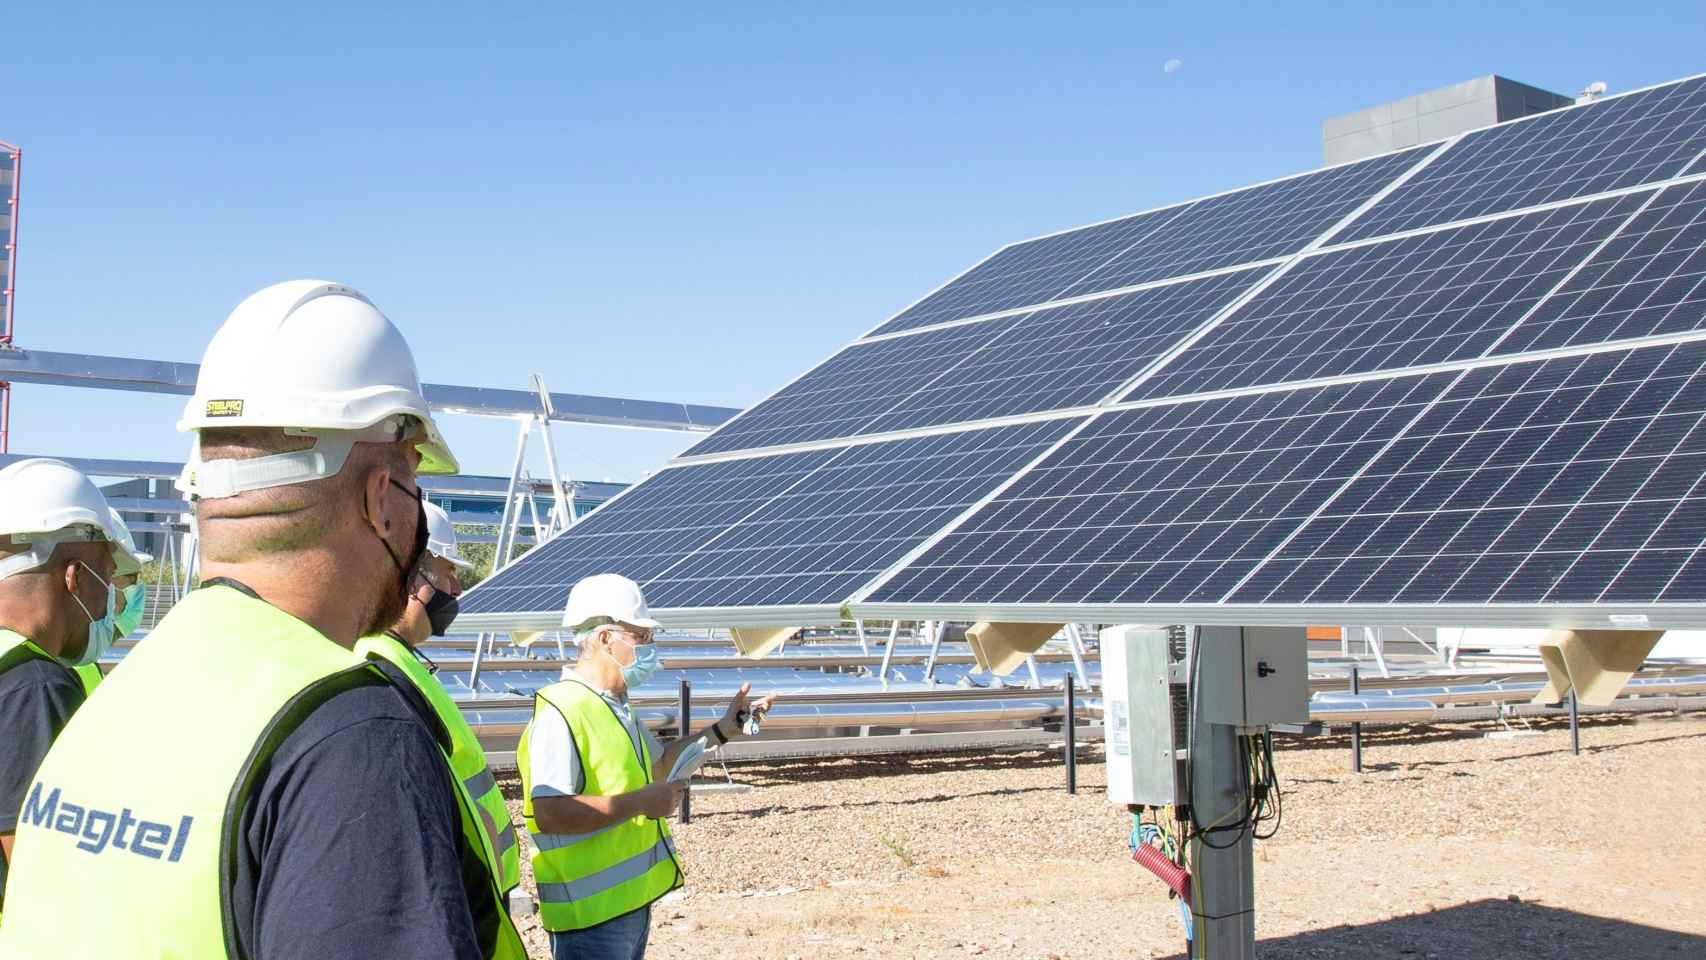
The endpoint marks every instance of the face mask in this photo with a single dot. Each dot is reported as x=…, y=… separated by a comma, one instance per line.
x=127, y=622
x=644, y=666
x=390, y=608
x=441, y=611
x=100, y=631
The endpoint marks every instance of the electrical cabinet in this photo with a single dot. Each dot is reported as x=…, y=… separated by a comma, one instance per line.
x=1143, y=686
x=1252, y=676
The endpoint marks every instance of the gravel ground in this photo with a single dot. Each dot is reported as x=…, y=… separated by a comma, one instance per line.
x=1452, y=844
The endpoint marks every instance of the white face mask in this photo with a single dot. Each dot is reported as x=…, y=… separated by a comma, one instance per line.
x=102, y=631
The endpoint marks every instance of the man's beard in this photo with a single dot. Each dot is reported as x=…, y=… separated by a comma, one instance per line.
x=386, y=609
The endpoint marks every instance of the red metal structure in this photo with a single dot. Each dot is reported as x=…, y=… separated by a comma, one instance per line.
x=11, y=161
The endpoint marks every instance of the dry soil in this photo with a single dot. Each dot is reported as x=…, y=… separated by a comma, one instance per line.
x=1452, y=844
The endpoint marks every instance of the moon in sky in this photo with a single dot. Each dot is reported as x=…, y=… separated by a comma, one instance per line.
x=1172, y=66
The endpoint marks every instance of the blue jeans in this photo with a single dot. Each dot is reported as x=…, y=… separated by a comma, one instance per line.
x=623, y=938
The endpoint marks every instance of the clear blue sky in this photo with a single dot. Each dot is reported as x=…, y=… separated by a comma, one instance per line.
x=689, y=202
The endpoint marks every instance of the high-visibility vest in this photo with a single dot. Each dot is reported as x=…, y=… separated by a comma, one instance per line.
x=89, y=675
x=140, y=801
x=585, y=879
x=467, y=759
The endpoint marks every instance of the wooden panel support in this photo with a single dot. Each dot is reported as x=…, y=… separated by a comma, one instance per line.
x=1002, y=648
x=756, y=642
x=1595, y=663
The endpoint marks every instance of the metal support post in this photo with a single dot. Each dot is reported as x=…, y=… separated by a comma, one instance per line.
x=888, y=651
x=562, y=512
x=500, y=555
x=1223, y=884
x=1031, y=666
x=859, y=630
x=1075, y=642
x=479, y=656
x=1575, y=728
x=938, y=629
x=1372, y=635
x=686, y=703
x=1356, y=727
x=1071, y=738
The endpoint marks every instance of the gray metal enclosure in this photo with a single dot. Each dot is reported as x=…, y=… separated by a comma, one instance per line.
x=1431, y=116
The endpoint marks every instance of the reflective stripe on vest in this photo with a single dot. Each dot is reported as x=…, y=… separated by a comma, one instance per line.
x=139, y=804
x=467, y=760
x=585, y=879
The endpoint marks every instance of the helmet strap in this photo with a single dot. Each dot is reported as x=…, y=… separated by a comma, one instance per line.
x=217, y=479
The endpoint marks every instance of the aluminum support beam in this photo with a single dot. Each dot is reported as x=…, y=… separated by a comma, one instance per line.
x=171, y=378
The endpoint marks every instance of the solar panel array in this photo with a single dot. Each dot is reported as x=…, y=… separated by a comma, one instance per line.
x=1462, y=376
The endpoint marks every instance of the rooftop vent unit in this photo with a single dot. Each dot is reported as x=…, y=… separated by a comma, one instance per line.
x=1431, y=116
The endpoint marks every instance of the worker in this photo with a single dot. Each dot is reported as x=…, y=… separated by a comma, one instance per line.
x=127, y=583
x=596, y=783
x=431, y=608
x=246, y=785
x=57, y=553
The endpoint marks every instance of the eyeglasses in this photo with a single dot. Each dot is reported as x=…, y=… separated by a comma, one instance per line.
x=640, y=634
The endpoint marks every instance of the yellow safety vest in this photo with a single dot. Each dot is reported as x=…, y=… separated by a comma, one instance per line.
x=137, y=806
x=586, y=879
x=90, y=676
x=467, y=759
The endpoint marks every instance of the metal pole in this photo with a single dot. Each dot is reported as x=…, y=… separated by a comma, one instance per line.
x=500, y=555
x=1071, y=738
x=940, y=629
x=563, y=510
x=1223, y=885
x=1075, y=642
x=686, y=702
x=888, y=651
x=859, y=629
x=1356, y=728
x=1575, y=730
x=474, y=671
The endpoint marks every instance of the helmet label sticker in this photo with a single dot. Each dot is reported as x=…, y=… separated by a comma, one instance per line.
x=224, y=408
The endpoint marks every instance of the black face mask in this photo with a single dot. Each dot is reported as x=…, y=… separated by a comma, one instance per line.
x=441, y=611
x=406, y=571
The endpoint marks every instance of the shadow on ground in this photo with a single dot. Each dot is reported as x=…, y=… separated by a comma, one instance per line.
x=1508, y=930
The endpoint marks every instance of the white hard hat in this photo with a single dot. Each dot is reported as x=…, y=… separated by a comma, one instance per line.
x=127, y=560
x=316, y=359
x=607, y=595
x=441, y=535
x=44, y=503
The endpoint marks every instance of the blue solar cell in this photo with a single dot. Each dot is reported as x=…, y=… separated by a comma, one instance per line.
x=1272, y=220
x=1574, y=480
x=1067, y=356
x=1650, y=280
x=1579, y=151
x=1426, y=298
x=851, y=388
x=1030, y=272
x=800, y=528
x=1164, y=504
x=1244, y=226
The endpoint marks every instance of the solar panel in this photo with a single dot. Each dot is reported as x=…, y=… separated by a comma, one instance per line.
x=1245, y=226
x=1291, y=422
x=1417, y=300
x=788, y=529
x=1172, y=503
x=1572, y=480
x=1619, y=142
x=851, y=388
x=1053, y=359
x=1029, y=273
x=1650, y=280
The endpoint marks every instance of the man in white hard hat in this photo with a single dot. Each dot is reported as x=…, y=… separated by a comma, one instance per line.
x=596, y=783
x=245, y=785
x=432, y=607
x=58, y=550
x=132, y=595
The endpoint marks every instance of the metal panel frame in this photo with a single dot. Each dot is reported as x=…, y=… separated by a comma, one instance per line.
x=172, y=378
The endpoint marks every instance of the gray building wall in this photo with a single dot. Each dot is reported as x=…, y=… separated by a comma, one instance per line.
x=1432, y=116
